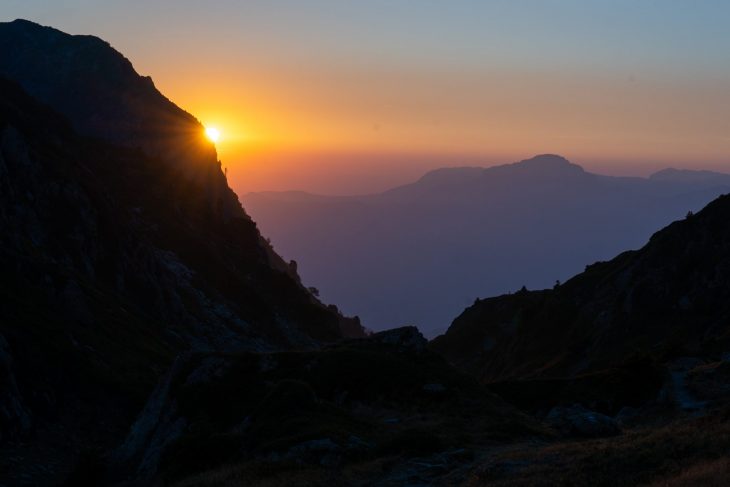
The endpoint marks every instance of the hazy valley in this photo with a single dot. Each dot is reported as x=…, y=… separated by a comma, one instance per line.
x=419, y=253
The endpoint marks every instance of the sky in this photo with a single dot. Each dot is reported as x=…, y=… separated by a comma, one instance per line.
x=345, y=97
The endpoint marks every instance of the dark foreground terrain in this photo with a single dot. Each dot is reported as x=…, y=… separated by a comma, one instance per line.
x=150, y=336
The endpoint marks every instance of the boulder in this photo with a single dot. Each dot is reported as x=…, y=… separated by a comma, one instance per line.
x=404, y=338
x=710, y=382
x=578, y=421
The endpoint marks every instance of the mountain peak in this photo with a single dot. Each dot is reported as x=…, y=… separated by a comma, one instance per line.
x=541, y=164
x=97, y=89
x=28, y=24
x=34, y=34
x=451, y=175
x=552, y=161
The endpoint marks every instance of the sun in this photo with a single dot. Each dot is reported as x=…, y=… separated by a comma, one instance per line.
x=213, y=134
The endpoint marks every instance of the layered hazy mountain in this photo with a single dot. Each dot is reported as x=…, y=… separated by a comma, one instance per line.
x=420, y=253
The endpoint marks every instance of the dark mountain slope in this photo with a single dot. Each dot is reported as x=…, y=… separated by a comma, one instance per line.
x=115, y=258
x=101, y=94
x=669, y=299
x=97, y=89
x=109, y=259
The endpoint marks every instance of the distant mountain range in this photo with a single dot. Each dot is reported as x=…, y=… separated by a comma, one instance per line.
x=419, y=253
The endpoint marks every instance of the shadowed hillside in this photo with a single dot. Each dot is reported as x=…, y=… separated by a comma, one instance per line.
x=669, y=299
x=116, y=253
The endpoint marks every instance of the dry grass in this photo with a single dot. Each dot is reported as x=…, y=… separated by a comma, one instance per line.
x=679, y=452
x=685, y=453
x=707, y=474
x=234, y=476
x=284, y=475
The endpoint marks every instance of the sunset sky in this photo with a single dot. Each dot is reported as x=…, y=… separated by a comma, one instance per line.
x=345, y=97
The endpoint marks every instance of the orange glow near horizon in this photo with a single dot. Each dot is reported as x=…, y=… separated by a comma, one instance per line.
x=287, y=134
x=378, y=95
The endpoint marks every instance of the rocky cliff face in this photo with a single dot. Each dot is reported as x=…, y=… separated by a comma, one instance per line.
x=121, y=246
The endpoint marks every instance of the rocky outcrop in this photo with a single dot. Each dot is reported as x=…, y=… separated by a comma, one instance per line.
x=578, y=421
x=404, y=338
x=709, y=382
x=156, y=427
